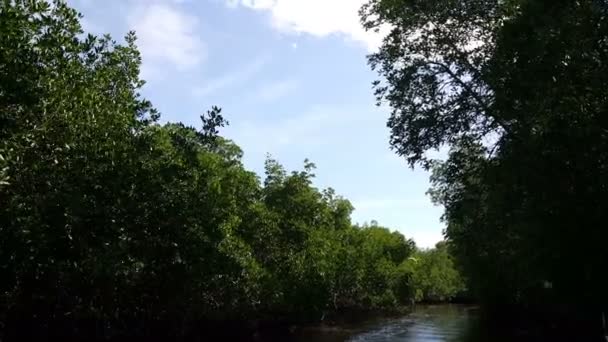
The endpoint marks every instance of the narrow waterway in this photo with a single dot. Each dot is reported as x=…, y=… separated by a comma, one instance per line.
x=449, y=323
x=432, y=323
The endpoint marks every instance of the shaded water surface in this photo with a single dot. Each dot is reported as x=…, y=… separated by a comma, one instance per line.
x=449, y=323
x=438, y=323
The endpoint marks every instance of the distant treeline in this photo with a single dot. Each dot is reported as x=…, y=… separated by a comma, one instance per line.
x=517, y=92
x=111, y=222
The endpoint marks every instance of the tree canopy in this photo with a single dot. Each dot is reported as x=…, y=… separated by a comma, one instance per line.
x=517, y=93
x=112, y=223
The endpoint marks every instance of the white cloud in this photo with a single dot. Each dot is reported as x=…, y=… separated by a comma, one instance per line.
x=319, y=18
x=166, y=34
x=275, y=90
x=237, y=77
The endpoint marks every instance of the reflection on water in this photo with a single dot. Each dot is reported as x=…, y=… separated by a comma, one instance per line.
x=449, y=323
x=437, y=323
x=445, y=323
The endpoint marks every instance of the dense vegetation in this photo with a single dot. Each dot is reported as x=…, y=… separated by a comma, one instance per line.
x=434, y=277
x=518, y=92
x=111, y=221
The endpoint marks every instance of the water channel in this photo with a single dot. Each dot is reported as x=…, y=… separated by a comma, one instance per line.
x=433, y=323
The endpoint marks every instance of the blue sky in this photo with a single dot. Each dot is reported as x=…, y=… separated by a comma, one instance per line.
x=292, y=78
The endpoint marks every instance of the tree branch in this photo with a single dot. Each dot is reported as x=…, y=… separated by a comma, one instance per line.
x=480, y=102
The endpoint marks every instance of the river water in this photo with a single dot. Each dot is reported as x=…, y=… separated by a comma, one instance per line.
x=438, y=323
x=449, y=323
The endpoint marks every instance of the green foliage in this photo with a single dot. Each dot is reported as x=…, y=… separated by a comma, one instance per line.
x=434, y=277
x=517, y=91
x=382, y=252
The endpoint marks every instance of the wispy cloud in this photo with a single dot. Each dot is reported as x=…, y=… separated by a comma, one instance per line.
x=315, y=127
x=269, y=136
x=275, y=90
x=166, y=35
x=239, y=76
x=90, y=26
